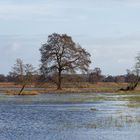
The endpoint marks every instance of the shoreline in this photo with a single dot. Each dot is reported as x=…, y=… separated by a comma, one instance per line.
x=66, y=91
x=101, y=87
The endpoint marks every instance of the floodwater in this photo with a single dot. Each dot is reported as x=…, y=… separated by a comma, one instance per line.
x=84, y=116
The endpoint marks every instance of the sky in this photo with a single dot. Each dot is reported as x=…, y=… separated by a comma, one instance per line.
x=108, y=29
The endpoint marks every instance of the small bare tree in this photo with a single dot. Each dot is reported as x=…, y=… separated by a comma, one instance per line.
x=136, y=78
x=18, y=71
x=23, y=72
x=60, y=54
x=94, y=75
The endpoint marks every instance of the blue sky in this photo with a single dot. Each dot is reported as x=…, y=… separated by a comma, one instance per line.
x=108, y=29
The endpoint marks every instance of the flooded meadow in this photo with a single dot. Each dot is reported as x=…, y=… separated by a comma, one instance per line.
x=70, y=116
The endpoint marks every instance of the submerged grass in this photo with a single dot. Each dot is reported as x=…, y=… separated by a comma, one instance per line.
x=107, y=122
x=134, y=105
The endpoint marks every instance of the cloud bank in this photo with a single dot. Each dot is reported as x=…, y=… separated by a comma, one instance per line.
x=109, y=30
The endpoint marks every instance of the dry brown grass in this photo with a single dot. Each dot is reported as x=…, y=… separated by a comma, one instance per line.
x=12, y=85
x=12, y=92
x=97, y=86
x=68, y=88
x=66, y=85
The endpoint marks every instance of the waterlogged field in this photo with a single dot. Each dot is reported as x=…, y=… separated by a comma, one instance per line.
x=70, y=116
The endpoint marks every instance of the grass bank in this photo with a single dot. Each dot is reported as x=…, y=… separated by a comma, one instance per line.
x=101, y=87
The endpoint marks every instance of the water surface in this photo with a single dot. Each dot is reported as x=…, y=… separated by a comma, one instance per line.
x=80, y=116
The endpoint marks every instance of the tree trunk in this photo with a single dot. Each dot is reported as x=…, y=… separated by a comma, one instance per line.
x=132, y=86
x=22, y=89
x=59, y=80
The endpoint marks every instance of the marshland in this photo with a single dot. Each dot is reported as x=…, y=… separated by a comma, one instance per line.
x=69, y=70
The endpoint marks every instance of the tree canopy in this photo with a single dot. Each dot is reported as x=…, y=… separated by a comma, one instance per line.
x=61, y=54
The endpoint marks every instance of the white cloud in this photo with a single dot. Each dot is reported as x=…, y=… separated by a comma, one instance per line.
x=60, y=8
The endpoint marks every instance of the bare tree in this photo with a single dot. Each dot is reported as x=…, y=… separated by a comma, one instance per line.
x=29, y=73
x=23, y=72
x=95, y=75
x=136, y=79
x=130, y=76
x=60, y=54
x=18, y=70
x=2, y=78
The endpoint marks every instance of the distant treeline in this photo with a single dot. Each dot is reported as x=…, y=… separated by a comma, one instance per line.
x=93, y=76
